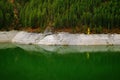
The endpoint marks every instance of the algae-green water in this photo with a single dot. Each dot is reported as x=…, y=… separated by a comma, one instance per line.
x=31, y=62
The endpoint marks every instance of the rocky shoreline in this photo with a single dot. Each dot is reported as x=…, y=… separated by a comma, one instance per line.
x=60, y=38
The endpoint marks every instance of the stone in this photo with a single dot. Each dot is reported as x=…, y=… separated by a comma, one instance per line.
x=61, y=38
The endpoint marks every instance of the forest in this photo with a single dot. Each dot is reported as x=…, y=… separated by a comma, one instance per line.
x=63, y=14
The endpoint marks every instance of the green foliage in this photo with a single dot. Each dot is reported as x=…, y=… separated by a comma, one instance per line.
x=63, y=13
x=108, y=14
x=6, y=13
x=1, y=18
x=71, y=13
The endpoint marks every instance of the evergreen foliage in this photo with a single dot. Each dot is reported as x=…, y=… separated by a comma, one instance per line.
x=6, y=13
x=63, y=13
x=71, y=13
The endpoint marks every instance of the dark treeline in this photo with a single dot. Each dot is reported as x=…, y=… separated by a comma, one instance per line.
x=61, y=13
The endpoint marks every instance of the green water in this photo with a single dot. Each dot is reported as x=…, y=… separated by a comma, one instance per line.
x=19, y=63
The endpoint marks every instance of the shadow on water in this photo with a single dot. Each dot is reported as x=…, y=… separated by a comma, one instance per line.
x=33, y=62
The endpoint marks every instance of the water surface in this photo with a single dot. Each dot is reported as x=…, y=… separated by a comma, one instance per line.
x=32, y=62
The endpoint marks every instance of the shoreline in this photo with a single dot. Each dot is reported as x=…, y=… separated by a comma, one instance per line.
x=60, y=38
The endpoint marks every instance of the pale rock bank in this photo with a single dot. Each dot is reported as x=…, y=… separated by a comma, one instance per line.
x=7, y=36
x=61, y=38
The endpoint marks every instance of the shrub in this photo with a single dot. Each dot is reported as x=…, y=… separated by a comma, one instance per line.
x=6, y=13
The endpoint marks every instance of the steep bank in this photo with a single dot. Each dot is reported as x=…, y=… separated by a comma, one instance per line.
x=61, y=38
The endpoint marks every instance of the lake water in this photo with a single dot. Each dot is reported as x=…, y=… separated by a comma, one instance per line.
x=33, y=62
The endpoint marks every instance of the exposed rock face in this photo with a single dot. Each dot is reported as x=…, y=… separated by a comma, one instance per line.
x=27, y=38
x=49, y=29
x=59, y=38
x=7, y=36
x=81, y=39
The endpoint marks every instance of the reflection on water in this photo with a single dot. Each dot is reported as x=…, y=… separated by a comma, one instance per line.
x=61, y=49
x=33, y=62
